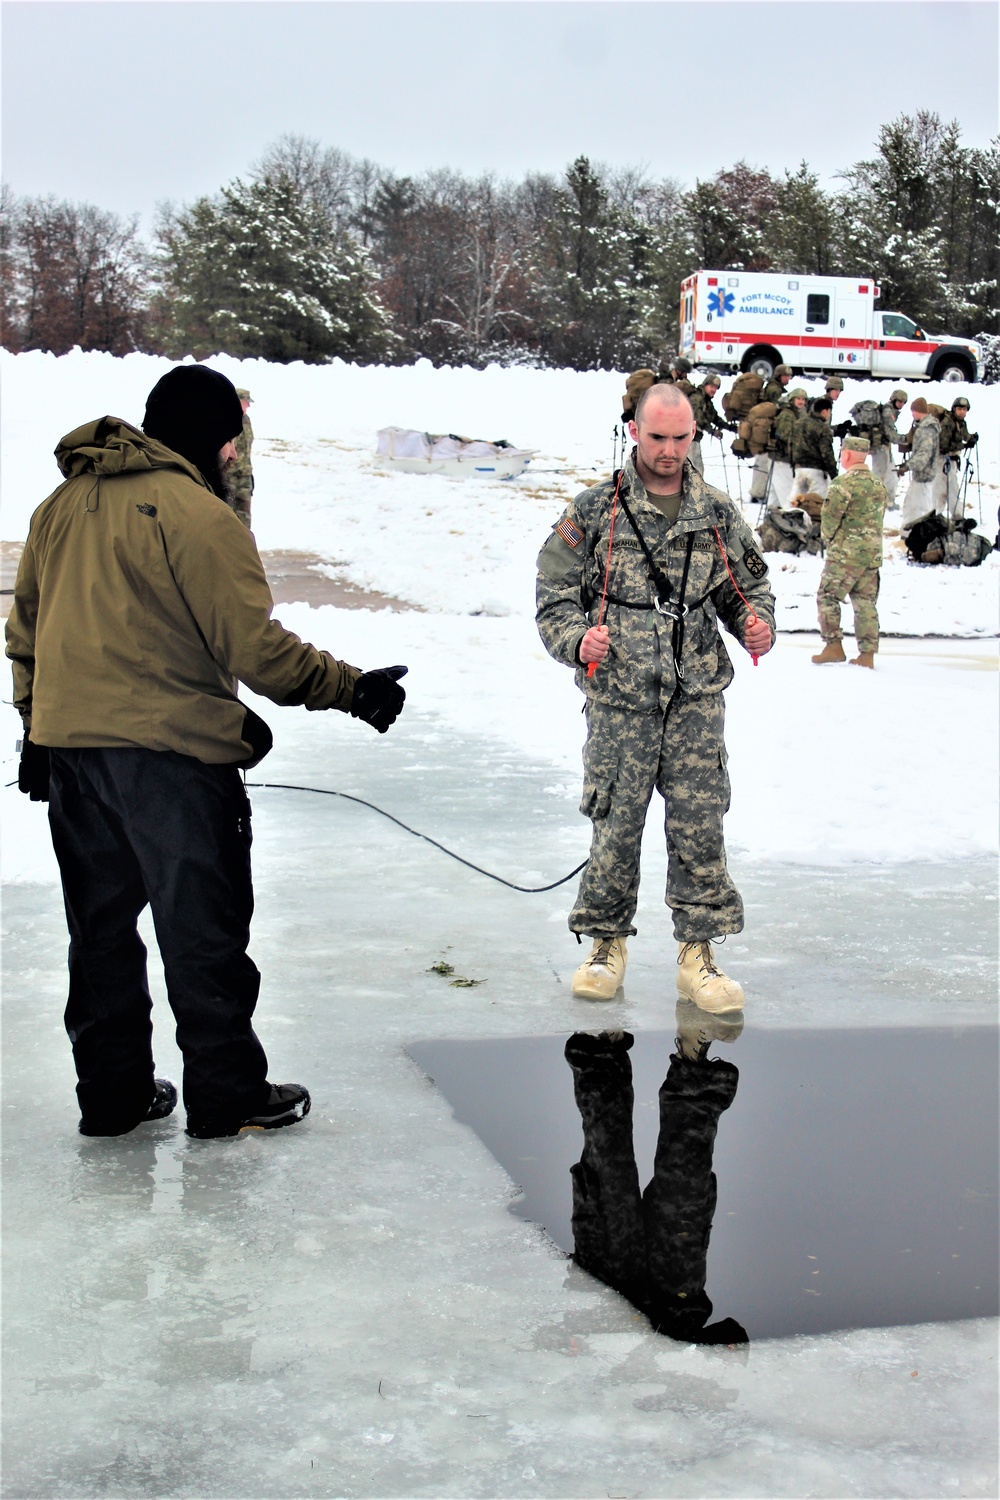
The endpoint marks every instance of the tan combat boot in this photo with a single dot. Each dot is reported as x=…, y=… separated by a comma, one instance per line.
x=700, y=980
x=832, y=651
x=864, y=659
x=600, y=975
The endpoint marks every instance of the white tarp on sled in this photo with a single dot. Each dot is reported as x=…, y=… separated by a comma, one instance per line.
x=445, y=453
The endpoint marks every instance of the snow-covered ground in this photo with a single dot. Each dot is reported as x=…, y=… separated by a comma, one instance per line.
x=828, y=765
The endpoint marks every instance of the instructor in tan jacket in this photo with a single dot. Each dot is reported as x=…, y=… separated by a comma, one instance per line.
x=140, y=603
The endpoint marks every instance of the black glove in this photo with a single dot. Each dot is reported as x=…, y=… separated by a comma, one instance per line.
x=972, y=440
x=33, y=770
x=378, y=698
x=842, y=429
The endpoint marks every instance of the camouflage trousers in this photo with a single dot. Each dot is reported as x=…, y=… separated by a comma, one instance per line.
x=682, y=755
x=842, y=580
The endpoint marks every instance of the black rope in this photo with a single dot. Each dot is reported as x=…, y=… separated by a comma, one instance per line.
x=529, y=890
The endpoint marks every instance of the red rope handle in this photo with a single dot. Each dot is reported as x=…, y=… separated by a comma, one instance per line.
x=592, y=667
x=752, y=617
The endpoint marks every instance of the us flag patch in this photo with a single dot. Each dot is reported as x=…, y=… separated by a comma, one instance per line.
x=570, y=534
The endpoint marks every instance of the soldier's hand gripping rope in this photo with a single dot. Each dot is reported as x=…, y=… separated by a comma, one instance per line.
x=593, y=666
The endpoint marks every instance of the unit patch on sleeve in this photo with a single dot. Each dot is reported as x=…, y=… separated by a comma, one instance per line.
x=754, y=563
x=571, y=535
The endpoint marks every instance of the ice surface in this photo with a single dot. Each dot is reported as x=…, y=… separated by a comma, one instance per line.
x=347, y=1308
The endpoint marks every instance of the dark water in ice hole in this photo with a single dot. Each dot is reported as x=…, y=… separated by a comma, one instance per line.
x=857, y=1169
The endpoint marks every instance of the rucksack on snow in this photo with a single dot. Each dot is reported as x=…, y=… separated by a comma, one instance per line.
x=745, y=394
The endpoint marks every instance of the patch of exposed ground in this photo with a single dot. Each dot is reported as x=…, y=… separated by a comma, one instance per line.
x=295, y=577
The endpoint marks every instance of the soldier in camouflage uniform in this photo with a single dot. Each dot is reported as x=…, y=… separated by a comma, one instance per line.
x=706, y=417
x=775, y=388
x=239, y=473
x=851, y=522
x=882, y=464
x=654, y=702
x=813, y=459
x=921, y=446
x=790, y=409
x=954, y=439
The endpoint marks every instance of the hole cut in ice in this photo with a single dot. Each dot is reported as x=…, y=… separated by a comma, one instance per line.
x=769, y=1183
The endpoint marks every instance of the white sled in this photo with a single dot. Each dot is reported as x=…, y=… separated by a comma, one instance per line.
x=444, y=453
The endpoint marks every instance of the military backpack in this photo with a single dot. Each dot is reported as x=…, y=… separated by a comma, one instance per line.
x=756, y=430
x=867, y=418
x=745, y=394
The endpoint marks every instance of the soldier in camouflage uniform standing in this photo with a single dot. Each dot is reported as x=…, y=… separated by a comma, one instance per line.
x=782, y=475
x=882, y=465
x=955, y=437
x=654, y=700
x=813, y=459
x=921, y=445
x=852, y=531
x=706, y=417
x=774, y=389
x=239, y=474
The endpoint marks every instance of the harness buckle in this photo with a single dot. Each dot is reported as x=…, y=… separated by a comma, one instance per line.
x=669, y=610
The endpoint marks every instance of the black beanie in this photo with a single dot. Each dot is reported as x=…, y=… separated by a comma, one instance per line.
x=195, y=411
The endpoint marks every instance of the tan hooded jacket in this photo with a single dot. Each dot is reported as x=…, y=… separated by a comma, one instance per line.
x=141, y=601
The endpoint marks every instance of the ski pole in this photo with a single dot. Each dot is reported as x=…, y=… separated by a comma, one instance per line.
x=979, y=484
x=722, y=450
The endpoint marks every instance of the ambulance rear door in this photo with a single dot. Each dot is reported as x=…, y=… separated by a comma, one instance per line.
x=819, y=324
x=852, y=336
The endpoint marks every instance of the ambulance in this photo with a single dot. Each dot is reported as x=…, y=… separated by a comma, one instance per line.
x=820, y=325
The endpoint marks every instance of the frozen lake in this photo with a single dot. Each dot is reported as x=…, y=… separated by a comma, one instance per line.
x=348, y=1308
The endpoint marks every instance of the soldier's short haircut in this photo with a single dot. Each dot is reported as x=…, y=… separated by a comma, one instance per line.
x=667, y=395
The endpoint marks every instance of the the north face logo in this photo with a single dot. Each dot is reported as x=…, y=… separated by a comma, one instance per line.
x=146, y=510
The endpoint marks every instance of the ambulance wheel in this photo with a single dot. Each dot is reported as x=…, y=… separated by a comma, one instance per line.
x=762, y=362
x=952, y=369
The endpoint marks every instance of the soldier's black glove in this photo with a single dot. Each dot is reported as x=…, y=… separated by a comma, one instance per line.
x=378, y=698
x=972, y=440
x=33, y=770
x=842, y=429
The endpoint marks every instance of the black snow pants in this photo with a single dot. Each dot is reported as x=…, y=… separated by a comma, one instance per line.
x=131, y=827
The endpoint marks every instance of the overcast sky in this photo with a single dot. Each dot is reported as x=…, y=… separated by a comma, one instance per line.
x=124, y=104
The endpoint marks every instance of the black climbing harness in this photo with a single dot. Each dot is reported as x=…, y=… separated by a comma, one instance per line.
x=673, y=609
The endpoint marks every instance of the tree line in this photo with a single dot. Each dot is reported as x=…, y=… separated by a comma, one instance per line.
x=315, y=254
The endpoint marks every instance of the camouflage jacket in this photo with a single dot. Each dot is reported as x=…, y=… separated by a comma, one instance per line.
x=705, y=414
x=851, y=522
x=684, y=385
x=923, y=449
x=784, y=426
x=639, y=672
x=812, y=445
x=239, y=474
x=954, y=436
x=773, y=390
x=890, y=416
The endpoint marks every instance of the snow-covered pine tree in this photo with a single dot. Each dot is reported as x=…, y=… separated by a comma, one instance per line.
x=255, y=272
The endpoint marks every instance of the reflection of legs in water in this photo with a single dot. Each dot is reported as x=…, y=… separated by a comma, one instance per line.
x=679, y=1203
x=607, y=1207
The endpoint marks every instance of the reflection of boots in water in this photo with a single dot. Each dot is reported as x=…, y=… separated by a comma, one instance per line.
x=679, y=1203
x=607, y=1206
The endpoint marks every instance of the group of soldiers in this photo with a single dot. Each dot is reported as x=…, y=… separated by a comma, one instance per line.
x=812, y=501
